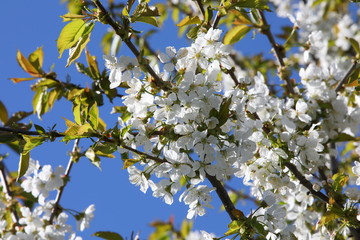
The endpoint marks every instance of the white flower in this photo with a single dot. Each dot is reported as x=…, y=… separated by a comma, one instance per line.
x=83, y=219
x=356, y=171
x=138, y=178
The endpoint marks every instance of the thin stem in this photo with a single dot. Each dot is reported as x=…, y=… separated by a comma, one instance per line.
x=201, y=7
x=216, y=20
x=333, y=160
x=223, y=195
x=265, y=29
x=306, y=183
x=8, y=193
x=31, y=133
x=347, y=75
x=119, y=30
x=56, y=206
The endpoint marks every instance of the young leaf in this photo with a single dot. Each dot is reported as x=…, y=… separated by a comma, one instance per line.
x=258, y=4
x=23, y=165
x=36, y=58
x=129, y=162
x=149, y=20
x=31, y=142
x=236, y=34
x=70, y=35
x=39, y=129
x=71, y=16
x=108, y=235
x=93, y=66
x=189, y=21
x=75, y=52
x=26, y=65
x=17, y=80
x=94, y=116
x=3, y=113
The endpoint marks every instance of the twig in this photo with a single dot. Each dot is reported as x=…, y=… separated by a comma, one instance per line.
x=8, y=193
x=201, y=7
x=265, y=29
x=347, y=75
x=119, y=30
x=333, y=160
x=31, y=133
x=223, y=195
x=306, y=183
x=56, y=206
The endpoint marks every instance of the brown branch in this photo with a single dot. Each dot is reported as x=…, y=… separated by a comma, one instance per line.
x=120, y=31
x=223, y=195
x=56, y=206
x=306, y=183
x=265, y=29
x=201, y=7
x=31, y=133
x=8, y=193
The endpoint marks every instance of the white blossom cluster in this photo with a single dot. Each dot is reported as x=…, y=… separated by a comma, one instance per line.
x=207, y=126
x=35, y=223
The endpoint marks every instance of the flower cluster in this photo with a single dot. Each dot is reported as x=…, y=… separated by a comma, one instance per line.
x=34, y=222
x=205, y=126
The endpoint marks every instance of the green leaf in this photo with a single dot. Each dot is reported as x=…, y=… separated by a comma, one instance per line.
x=234, y=227
x=189, y=21
x=339, y=181
x=193, y=32
x=258, y=4
x=23, y=165
x=146, y=19
x=224, y=111
x=236, y=34
x=327, y=217
x=108, y=235
x=36, y=58
x=31, y=142
x=17, y=80
x=70, y=35
x=105, y=150
x=39, y=129
x=71, y=16
x=186, y=227
x=343, y=137
x=93, y=66
x=354, y=78
x=129, y=162
x=4, y=117
x=94, y=116
x=355, y=45
x=75, y=131
x=75, y=52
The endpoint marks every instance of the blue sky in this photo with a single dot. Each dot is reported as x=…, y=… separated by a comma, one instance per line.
x=120, y=206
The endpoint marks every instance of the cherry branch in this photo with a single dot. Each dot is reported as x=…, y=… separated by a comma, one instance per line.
x=8, y=193
x=279, y=53
x=31, y=133
x=120, y=31
x=223, y=195
x=73, y=158
x=201, y=7
x=306, y=183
